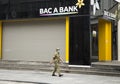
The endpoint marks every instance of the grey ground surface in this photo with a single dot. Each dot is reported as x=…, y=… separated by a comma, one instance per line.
x=39, y=77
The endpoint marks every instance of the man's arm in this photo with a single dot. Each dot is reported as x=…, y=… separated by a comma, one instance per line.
x=61, y=60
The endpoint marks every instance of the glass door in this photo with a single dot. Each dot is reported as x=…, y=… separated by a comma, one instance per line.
x=94, y=37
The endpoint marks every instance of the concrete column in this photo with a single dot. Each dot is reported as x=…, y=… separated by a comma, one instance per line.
x=119, y=40
x=67, y=39
x=104, y=35
x=118, y=17
x=0, y=40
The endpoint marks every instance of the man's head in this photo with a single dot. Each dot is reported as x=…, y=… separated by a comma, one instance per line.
x=57, y=49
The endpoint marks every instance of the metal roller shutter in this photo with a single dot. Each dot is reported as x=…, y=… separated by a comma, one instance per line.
x=33, y=40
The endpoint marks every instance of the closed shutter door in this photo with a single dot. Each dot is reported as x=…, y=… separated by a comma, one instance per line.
x=33, y=40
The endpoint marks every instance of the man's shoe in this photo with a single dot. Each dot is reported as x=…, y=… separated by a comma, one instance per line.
x=54, y=75
x=60, y=75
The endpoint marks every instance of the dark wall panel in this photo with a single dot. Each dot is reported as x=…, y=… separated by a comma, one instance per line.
x=80, y=40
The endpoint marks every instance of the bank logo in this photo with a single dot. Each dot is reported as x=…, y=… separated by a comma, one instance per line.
x=95, y=5
x=63, y=10
x=80, y=3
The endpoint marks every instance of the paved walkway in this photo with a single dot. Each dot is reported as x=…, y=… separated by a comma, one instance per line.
x=38, y=77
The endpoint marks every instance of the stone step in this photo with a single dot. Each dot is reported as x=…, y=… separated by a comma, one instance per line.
x=107, y=66
x=28, y=65
x=45, y=66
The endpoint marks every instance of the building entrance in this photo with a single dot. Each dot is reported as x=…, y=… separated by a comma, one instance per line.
x=94, y=42
x=104, y=41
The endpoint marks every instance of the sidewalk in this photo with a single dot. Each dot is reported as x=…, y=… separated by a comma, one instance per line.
x=38, y=77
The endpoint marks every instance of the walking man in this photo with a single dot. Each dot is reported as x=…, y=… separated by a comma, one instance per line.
x=56, y=60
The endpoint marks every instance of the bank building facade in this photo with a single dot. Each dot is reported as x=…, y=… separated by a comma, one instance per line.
x=84, y=30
